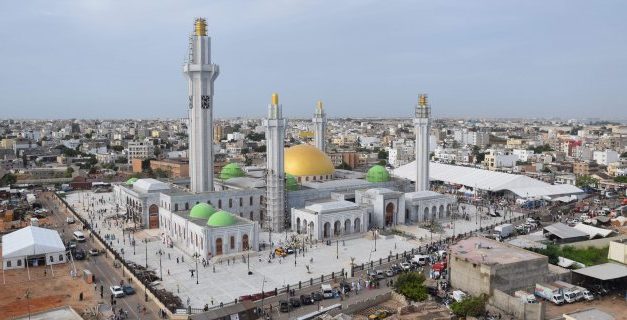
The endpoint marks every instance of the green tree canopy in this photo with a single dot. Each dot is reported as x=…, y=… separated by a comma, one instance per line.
x=470, y=306
x=411, y=285
x=586, y=181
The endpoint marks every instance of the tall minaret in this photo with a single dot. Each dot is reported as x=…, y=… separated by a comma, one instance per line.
x=422, y=126
x=320, y=126
x=275, y=181
x=201, y=74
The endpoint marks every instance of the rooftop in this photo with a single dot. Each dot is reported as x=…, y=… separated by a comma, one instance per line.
x=487, y=251
x=564, y=232
x=588, y=314
x=331, y=206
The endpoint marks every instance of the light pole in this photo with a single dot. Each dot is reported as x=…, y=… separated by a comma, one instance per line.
x=263, y=295
x=160, y=252
x=146, y=284
x=374, y=235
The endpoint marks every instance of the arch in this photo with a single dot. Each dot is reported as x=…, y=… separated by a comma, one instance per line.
x=407, y=215
x=230, y=203
x=425, y=217
x=448, y=210
x=251, y=200
x=245, y=242
x=232, y=242
x=305, y=226
x=357, y=225
x=311, y=228
x=327, y=230
x=186, y=206
x=337, y=228
x=441, y=212
x=251, y=215
x=347, y=226
x=153, y=216
x=434, y=212
x=219, y=246
x=176, y=207
x=389, y=214
x=298, y=225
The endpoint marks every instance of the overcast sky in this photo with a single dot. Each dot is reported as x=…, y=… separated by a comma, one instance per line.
x=119, y=59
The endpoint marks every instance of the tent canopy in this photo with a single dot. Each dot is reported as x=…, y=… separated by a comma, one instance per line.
x=606, y=271
x=31, y=241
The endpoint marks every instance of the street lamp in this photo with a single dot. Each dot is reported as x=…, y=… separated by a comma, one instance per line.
x=374, y=235
x=160, y=252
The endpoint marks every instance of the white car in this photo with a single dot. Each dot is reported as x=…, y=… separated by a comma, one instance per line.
x=117, y=291
x=405, y=266
x=70, y=220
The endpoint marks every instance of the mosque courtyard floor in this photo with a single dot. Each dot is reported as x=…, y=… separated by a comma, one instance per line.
x=230, y=279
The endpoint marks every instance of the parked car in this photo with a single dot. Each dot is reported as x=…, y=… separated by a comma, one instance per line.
x=317, y=296
x=295, y=302
x=306, y=300
x=389, y=273
x=117, y=291
x=405, y=266
x=71, y=244
x=79, y=255
x=345, y=286
x=128, y=290
x=284, y=306
x=70, y=220
x=94, y=252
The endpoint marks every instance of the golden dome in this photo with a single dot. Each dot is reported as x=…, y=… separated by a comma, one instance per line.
x=307, y=160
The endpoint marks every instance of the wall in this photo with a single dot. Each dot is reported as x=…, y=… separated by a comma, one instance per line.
x=514, y=306
x=597, y=243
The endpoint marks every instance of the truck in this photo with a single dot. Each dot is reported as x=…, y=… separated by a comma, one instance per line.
x=549, y=293
x=525, y=296
x=503, y=231
x=420, y=259
x=571, y=292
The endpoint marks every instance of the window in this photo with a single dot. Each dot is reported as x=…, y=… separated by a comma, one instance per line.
x=176, y=207
x=220, y=204
x=51, y=259
x=230, y=203
x=251, y=200
x=8, y=263
x=251, y=215
x=60, y=257
x=232, y=242
x=186, y=206
x=19, y=263
x=241, y=202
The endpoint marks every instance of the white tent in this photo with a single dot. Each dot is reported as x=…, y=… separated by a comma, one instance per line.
x=520, y=185
x=593, y=232
x=32, y=242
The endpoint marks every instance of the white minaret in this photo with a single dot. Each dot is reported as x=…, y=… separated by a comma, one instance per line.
x=422, y=127
x=275, y=181
x=201, y=74
x=320, y=126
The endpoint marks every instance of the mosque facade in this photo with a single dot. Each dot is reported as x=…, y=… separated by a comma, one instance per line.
x=299, y=189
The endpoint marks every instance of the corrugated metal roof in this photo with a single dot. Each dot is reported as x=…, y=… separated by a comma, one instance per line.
x=564, y=232
x=606, y=271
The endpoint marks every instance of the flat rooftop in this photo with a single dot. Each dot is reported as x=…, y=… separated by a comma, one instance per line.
x=486, y=251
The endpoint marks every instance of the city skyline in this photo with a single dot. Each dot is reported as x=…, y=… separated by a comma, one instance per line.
x=101, y=59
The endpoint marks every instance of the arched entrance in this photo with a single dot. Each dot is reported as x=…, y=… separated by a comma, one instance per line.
x=441, y=213
x=327, y=230
x=305, y=225
x=347, y=226
x=425, y=217
x=434, y=212
x=337, y=228
x=357, y=225
x=245, y=242
x=153, y=217
x=218, y=246
x=389, y=214
x=298, y=225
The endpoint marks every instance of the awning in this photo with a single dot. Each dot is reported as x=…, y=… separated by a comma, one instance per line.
x=606, y=271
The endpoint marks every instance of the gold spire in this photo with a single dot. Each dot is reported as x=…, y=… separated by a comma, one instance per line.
x=422, y=100
x=200, y=27
x=319, y=105
x=275, y=99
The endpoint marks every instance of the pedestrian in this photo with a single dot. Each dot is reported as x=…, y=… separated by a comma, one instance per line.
x=168, y=271
x=177, y=259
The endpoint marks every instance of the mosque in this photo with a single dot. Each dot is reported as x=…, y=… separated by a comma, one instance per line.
x=298, y=190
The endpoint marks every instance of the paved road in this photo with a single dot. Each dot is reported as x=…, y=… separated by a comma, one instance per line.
x=100, y=266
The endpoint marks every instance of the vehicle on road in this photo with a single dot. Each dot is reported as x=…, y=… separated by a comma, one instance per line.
x=327, y=291
x=79, y=236
x=284, y=306
x=94, y=252
x=295, y=302
x=317, y=296
x=525, y=296
x=128, y=290
x=71, y=244
x=79, y=255
x=405, y=266
x=389, y=273
x=117, y=291
x=70, y=220
x=306, y=300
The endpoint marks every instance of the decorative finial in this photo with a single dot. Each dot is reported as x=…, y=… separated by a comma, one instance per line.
x=275, y=99
x=319, y=105
x=423, y=100
x=200, y=27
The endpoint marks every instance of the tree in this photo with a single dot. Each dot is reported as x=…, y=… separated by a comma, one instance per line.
x=470, y=306
x=382, y=154
x=480, y=157
x=260, y=148
x=68, y=172
x=117, y=148
x=160, y=173
x=623, y=155
x=540, y=149
x=8, y=179
x=411, y=286
x=344, y=166
x=621, y=179
x=586, y=182
x=253, y=136
x=382, y=162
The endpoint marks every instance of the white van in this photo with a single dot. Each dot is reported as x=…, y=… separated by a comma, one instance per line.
x=79, y=236
x=327, y=291
x=420, y=259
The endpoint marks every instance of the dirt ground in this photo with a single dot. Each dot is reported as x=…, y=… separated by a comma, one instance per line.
x=47, y=291
x=614, y=305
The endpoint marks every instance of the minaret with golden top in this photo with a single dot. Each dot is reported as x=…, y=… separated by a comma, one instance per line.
x=320, y=126
x=422, y=123
x=200, y=74
x=276, y=206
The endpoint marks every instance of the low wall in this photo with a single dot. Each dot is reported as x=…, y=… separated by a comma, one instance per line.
x=356, y=307
x=597, y=243
x=515, y=307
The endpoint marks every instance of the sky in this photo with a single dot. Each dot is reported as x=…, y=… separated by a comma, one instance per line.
x=362, y=58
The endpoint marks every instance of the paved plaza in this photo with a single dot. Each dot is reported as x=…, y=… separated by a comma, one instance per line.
x=230, y=279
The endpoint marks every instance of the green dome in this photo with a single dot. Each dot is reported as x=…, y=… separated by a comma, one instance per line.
x=378, y=173
x=131, y=181
x=202, y=211
x=291, y=183
x=221, y=219
x=231, y=170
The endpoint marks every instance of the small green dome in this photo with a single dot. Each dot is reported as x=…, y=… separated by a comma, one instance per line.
x=221, y=219
x=378, y=173
x=291, y=183
x=231, y=170
x=131, y=181
x=202, y=211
